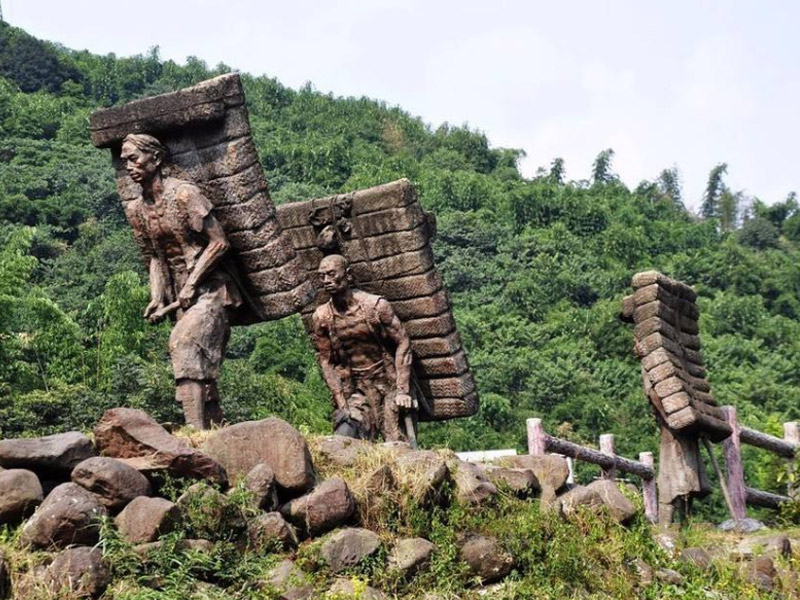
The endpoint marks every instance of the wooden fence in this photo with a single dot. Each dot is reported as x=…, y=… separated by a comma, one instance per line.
x=611, y=464
x=739, y=493
x=539, y=442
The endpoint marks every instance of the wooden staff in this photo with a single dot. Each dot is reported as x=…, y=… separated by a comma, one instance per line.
x=721, y=478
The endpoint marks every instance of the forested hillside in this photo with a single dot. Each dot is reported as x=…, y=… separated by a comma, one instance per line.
x=535, y=267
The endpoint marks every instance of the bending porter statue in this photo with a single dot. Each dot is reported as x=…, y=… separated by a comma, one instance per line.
x=365, y=355
x=177, y=232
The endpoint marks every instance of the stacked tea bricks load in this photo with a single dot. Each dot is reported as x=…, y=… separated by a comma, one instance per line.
x=385, y=236
x=207, y=131
x=667, y=343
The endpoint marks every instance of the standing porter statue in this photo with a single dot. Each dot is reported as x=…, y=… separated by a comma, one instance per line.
x=176, y=230
x=666, y=316
x=209, y=234
x=365, y=355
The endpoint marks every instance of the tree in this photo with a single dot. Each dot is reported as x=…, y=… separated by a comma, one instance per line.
x=714, y=188
x=759, y=233
x=669, y=184
x=601, y=167
x=728, y=209
x=557, y=170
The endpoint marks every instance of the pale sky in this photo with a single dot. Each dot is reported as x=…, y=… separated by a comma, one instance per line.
x=686, y=83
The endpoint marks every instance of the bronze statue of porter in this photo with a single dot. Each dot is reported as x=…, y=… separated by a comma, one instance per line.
x=365, y=355
x=674, y=376
x=184, y=244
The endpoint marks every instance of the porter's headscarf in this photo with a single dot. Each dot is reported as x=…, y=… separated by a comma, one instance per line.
x=147, y=143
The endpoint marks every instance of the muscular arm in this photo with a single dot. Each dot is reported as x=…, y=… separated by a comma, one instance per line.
x=402, y=356
x=218, y=245
x=322, y=344
x=204, y=222
x=158, y=285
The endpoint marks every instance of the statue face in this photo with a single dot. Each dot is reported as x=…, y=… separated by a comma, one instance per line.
x=333, y=276
x=141, y=165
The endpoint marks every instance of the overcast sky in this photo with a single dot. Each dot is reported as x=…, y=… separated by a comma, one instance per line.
x=686, y=83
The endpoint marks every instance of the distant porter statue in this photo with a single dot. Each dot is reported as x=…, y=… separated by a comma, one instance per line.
x=365, y=355
x=666, y=316
x=177, y=232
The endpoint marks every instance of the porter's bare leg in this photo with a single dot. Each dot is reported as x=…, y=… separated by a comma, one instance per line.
x=191, y=394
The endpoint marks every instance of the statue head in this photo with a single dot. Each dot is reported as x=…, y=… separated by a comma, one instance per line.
x=334, y=274
x=143, y=155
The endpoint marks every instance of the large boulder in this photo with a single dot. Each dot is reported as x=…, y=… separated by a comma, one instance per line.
x=486, y=558
x=746, y=525
x=423, y=472
x=205, y=510
x=329, y=505
x=410, y=555
x=380, y=482
x=20, y=494
x=698, y=557
x=602, y=494
x=69, y=515
x=145, y=519
x=668, y=541
x=520, y=482
x=79, y=571
x=132, y=436
x=551, y=472
x=761, y=573
x=272, y=441
x=348, y=547
x=53, y=455
x=472, y=486
x=271, y=530
x=260, y=483
x=771, y=545
x=340, y=450
x=111, y=480
x=287, y=579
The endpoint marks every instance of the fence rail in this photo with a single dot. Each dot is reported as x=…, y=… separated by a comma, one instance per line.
x=611, y=464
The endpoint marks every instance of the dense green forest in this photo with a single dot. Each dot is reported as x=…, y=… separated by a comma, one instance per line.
x=535, y=267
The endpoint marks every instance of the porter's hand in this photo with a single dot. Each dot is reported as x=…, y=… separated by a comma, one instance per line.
x=186, y=296
x=151, y=308
x=405, y=401
x=154, y=311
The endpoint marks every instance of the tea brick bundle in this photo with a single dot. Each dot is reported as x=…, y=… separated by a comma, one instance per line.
x=666, y=316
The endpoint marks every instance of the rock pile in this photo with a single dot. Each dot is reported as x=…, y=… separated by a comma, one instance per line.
x=123, y=478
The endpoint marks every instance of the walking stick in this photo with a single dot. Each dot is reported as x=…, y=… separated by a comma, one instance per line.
x=721, y=478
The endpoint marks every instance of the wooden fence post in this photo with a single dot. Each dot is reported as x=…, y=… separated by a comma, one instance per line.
x=733, y=460
x=649, y=492
x=791, y=433
x=607, y=447
x=537, y=443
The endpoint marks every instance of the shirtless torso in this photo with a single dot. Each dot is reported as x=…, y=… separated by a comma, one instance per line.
x=365, y=355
